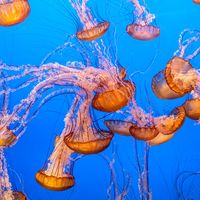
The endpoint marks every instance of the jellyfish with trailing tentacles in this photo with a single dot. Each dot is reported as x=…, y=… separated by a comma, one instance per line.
x=84, y=137
x=142, y=28
x=91, y=30
x=7, y=137
x=179, y=77
x=6, y=192
x=57, y=172
x=13, y=11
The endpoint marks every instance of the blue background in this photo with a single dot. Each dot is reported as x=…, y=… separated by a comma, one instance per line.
x=46, y=28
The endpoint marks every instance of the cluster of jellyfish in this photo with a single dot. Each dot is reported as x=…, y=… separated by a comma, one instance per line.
x=103, y=87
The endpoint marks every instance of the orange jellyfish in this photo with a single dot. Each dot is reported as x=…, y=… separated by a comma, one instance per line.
x=13, y=12
x=192, y=108
x=141, y=28
x=113, y=100
x=6, y=192
x=57, y=173
x=83, y=137
x=7, y=137
x=161, y=88
x=91, y=30
x=170, y=124
x=179, y=73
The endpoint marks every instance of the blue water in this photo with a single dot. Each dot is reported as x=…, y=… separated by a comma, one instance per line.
x=46, y=28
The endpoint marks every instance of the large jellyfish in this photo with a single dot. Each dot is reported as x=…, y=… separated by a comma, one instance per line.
x=6, y=192
x=13, y=12
x=57, y=171
x=91, y=30
x=142, y=28
x=179, y=77
x=84, y=137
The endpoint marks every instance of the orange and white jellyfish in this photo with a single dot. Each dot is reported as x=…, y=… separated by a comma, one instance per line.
x=142, y=28
x=6, y=192
x=84, y=137
x=91, y=30
x=13, y=11
x=57, y=172
x=180, y=75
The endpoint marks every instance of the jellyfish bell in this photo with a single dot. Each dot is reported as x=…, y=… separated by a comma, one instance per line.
x=113, y=100
x=119, y=127
x=179, y=75
x=93, y=33
x=7, y=137
x=19, y=196
x=54, y=183
x=13, y=12
x=160, y=139
x=143, y=32
x=144, y=133
x=161, y=89
x=170, y=124
x=93, y=141
x=192, y=108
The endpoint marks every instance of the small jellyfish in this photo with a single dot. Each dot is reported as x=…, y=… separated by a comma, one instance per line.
x=91, y=30
x=141, y=28
x=179, y=73
x=161, y=88
x=13, y=11
x=83, y=137
x=57, y=172
x=113, y=100
x=192, y=108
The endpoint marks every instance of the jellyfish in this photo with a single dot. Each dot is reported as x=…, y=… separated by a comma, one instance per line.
x=92, y=30
x=13, y=11
x=57, y=172
x=6, y=192
x=142, y=28
x=83, y=137
x=7, y=137
x=180, y=75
